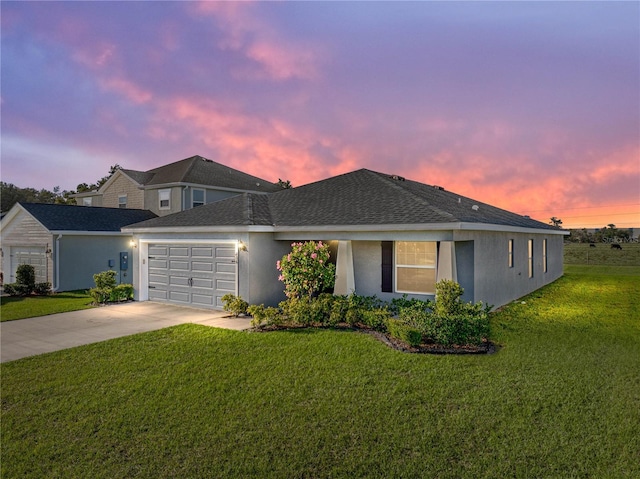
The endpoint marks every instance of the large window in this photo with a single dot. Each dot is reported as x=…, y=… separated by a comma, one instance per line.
x=122, y=201
x=510, y=253
x=164, y=197
x=197, y=197
x=87, y=201
x=416, y=267
x=530, y=255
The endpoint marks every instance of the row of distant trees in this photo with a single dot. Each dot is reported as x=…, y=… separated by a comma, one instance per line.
x=606, y=234
x=11, y=194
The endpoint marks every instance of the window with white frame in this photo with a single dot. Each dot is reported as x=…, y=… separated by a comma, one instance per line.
x=86, y=201
x=122, y=201
x=415, y=267
x=530, y=256
x=197, y=197
x=544, y=255
x=510, y=253
x=164, y=198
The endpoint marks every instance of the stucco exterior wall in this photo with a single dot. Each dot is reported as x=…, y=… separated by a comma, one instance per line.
x=122, y=185
x=82, y=256
x=494, y=281
x=262, y=276
x=24, y=230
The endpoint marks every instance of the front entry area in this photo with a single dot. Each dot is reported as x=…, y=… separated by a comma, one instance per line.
x=192, y=274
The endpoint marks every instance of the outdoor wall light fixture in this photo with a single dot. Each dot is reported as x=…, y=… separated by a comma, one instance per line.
x=242, y=246
x=133, y=244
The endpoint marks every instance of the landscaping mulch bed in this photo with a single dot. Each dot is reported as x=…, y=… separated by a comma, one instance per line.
x=486, y=347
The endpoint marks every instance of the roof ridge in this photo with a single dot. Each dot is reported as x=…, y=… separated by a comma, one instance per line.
x=396, y=184
x=193, y=161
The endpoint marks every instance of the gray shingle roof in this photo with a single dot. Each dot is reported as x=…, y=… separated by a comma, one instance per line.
x=84, y=218
x=201, y=171
x=362, y=197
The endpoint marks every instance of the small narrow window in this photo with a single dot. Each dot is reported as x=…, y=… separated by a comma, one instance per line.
x=122, y=201
x=544, y=255
x=510, y=253
x=197, y=197
x=164, y=197
x=87, y=201
x=530, y=254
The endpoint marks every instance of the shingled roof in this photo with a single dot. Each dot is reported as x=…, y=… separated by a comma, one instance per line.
x=201, y=171
x=81, y=218
x=359, y=198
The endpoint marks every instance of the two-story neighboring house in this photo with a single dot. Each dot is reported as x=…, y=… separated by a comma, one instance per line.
x=175, y=187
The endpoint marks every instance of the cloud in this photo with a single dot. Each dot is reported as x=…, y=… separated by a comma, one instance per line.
x=277, y=57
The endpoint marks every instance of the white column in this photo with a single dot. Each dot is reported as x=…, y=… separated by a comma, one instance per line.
x=345, y=279
x=447, y=261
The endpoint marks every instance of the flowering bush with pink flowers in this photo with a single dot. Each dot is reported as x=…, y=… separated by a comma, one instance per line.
x=306, y=271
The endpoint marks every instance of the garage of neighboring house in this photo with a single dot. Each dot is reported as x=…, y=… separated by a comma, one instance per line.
x=192, y=274
x=36, y=256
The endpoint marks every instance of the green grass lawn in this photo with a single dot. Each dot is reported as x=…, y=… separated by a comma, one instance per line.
x=560, y=399
x=28, y=307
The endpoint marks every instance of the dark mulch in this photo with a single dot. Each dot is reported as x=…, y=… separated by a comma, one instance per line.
x=487, y=347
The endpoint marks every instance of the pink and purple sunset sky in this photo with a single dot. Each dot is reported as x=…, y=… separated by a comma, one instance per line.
x=532, y=107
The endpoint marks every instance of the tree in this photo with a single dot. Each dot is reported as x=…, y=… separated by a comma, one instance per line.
x=285, y=184
x=556, y=222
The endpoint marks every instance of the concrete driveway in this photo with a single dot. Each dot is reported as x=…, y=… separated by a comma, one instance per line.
x=32, y=336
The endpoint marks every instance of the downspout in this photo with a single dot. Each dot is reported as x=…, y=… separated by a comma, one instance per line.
x=57, y=265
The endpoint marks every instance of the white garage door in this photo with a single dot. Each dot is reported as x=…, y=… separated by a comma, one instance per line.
x=33, y=255
x=192, y=274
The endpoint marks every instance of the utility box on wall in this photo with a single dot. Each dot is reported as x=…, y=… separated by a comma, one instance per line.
x=124, y=261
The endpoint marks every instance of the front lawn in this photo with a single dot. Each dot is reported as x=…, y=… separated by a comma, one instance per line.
x=561, y=398
x=28, y=307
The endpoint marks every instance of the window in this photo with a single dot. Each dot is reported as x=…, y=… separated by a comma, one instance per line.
x=415, y=267
x=197, y=197
x=544, y=255
x=510, y=253
x=122, y=201
x=87, y=201
x=530, y=255
x=164, y=197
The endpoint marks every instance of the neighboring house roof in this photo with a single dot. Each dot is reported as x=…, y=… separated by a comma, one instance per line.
x=80, y=218
x=359, y=198
x=197, y=170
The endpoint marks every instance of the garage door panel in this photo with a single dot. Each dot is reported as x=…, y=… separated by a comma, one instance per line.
x=225, y=252
x=32, y=255
x=179, y=296
x=192, y=274
x=200, y=252
x=158, y=263
x=177, y=251
x=158, y=250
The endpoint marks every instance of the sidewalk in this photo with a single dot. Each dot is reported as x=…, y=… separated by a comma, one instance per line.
x=44, y=334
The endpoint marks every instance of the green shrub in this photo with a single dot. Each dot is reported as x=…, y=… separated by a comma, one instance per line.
x=42, y=289
x=375, y=319
x=448, y=294
x=26, y=277
x=10, y=289
x=402, y=331
x=121, y=292
x=398, y=304
x=269, y=316
x=100, y=295
x=105, y=279
x=234, y=304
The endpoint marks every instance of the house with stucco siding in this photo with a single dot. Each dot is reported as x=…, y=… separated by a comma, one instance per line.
x=389, y=235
